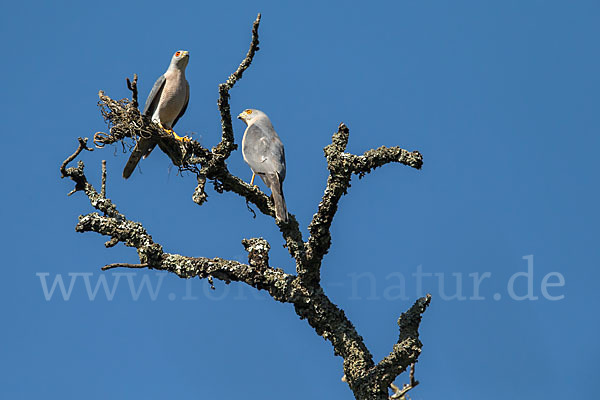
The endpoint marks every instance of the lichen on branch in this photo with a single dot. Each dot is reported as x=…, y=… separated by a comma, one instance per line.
x=366, y=379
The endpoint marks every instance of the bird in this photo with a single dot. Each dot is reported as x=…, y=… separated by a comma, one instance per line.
x=263, y=152
x=165, y=105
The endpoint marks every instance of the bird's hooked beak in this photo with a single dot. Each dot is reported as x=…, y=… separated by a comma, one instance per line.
x=186, y=53
x=243, y=116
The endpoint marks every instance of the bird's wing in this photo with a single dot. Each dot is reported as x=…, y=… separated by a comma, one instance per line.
x=263, y=151
x=187, y=100
x=144, y=148
x=253, y=147
x=154, y=96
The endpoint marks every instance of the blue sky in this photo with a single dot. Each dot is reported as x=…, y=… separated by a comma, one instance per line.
x=501, y=98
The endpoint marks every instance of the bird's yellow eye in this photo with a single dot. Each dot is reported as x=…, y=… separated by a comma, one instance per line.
x=177, y=54
x=248, y=111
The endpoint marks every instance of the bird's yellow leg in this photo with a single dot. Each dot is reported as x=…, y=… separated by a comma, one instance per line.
x=252, y=180
x=176, y=136
x=179, y=138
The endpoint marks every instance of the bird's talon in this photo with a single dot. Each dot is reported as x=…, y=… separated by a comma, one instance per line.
x=183, y=139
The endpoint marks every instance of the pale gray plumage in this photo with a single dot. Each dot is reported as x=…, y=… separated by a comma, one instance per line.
x=263, y=152
x=166, y=103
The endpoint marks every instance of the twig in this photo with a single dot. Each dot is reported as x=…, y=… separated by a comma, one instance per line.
x=123, y=265
x=237, y=75
x=103, y=187
x=250, y=209
x=77, y=175
x=111, y=243
x=399, y=393
x=227, y=144
x=134, y=91
x=82, y=146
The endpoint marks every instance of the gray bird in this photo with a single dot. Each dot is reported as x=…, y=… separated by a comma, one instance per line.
x=263, y=152
x=166, y=103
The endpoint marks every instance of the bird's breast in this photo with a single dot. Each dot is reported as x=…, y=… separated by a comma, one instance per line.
x=172, y=98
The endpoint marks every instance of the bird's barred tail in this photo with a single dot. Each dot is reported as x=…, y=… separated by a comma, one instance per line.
x=276, y=187
x=140, y=149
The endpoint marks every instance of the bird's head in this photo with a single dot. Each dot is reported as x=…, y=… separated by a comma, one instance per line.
x=180, y=58
x=250, y=115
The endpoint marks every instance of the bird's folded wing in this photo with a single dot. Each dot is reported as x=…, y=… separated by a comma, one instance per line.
x=154, y=96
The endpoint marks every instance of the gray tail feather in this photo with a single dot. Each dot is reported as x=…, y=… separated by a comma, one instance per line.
x=142, y=147
x=276, y=186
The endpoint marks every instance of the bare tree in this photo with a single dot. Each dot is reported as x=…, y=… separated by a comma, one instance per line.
x=366, y=379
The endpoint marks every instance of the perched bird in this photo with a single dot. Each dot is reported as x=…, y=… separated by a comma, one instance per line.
x=166, y=103
x=263, y=152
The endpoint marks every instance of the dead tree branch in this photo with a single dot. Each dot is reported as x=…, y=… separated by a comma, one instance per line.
x=408, y=348
x=227, y=144
x=365, y=378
